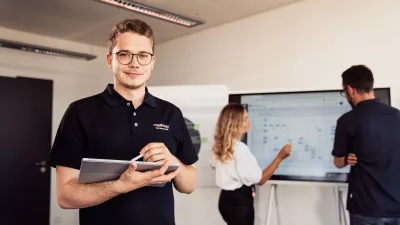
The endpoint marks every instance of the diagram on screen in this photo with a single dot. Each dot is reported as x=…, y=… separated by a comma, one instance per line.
x=309, y=121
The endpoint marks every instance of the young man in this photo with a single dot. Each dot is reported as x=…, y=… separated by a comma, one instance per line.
x=368, y=138
x=121, y=123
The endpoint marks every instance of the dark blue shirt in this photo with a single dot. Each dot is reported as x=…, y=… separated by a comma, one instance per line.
x=372, y=132
x=107, y=126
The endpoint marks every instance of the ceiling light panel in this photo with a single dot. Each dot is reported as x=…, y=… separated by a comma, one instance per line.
x=45, y=50
x=153, y=12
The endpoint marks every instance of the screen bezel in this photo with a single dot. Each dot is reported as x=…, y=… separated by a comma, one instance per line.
x=337, y=178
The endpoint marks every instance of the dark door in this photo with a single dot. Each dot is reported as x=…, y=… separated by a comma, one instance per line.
x=25, y=143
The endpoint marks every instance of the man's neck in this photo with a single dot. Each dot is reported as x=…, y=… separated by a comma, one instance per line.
x=135, y=95
x=365, y=97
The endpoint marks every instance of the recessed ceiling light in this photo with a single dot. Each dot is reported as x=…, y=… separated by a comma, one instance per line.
x=154, y=12
x=45, y=50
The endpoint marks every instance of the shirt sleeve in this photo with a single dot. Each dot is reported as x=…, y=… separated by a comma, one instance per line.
x=246, y=165
x=341, y=146
x=186, y=152
x=68, y=147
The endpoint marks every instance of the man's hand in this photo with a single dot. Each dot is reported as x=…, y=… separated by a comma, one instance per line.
x=72, y=195
x=185, y=180
x=132, y=179
x=157, y=152
x=351, y=159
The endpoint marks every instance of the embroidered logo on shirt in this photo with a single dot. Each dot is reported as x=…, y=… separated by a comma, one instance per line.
x=161, y=126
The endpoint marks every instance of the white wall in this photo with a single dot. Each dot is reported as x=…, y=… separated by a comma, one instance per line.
x=73, y=79
x=277, y=50
x=313, y=40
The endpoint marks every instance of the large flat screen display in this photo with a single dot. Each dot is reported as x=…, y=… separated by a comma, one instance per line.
x=308, y=119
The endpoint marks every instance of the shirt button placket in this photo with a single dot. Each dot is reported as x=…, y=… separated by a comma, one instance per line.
x=135, y=124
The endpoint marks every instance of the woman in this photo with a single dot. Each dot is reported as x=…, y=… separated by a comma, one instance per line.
x=237, y=170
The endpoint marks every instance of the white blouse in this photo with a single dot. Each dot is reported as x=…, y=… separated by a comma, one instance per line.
x=243, y=169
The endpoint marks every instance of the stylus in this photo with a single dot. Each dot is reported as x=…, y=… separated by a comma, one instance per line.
x=297, y=138
x=137, y=157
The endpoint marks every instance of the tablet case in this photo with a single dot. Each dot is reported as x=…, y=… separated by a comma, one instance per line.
x=101, y=170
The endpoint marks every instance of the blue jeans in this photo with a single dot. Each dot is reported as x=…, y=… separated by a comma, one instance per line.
x=364, y=220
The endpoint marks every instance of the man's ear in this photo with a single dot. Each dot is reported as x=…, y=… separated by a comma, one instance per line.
x=109, y=59
x=350, y=90
x=153, y=62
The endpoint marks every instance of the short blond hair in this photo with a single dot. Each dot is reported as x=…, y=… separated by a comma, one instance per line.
x=130, y=25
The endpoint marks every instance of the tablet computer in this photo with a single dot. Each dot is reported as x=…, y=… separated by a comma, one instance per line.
x=101, y=170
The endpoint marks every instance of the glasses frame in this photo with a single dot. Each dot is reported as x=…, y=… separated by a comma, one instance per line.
x=133, y=56
x=343, y=92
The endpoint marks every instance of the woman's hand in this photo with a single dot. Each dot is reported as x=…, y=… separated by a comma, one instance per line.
x=285, y=151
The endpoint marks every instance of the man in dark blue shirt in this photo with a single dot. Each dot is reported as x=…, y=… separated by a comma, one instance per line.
x=120, y=123
x=370, y=133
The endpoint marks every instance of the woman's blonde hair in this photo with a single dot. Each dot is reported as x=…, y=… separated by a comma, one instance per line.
x=228, y=128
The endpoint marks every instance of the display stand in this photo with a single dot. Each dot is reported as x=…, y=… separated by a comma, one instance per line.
x=272, y=196
x=338, y=196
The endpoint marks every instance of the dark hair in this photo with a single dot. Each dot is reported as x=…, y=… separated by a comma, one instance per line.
x=358, y=77
x=130, y=25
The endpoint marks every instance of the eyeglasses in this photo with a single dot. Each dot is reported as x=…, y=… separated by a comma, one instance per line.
x=143, y=58
x=342, y=93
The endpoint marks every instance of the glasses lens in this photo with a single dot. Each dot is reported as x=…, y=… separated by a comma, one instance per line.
x=124, y=57
x=144, y=58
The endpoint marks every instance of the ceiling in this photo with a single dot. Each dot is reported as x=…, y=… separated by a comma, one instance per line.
x=89, y=21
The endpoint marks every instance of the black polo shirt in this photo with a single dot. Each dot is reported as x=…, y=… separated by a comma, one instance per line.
x=107, y=126
x=372, y=132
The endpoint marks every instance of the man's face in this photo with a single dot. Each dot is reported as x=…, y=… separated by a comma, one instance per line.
x=135, y=73
x=349, y=94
